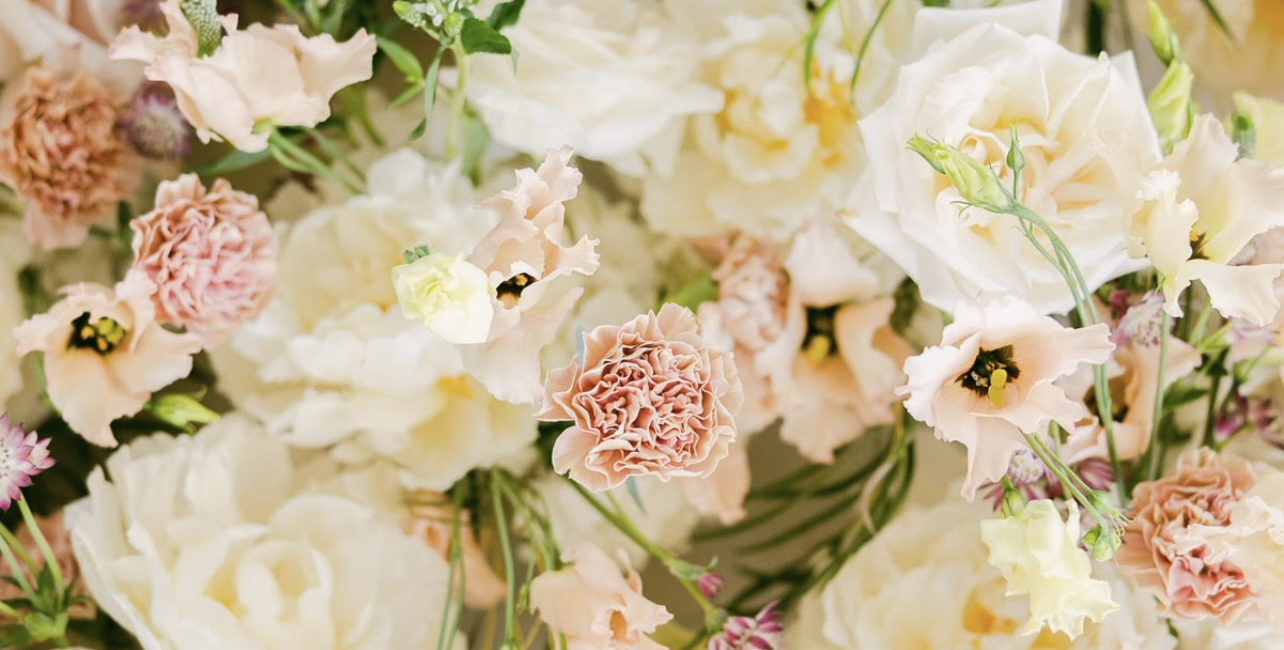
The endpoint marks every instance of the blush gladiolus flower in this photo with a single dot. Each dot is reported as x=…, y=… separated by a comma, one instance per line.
x=1039, y=555
x=594, y=606
x=649, y=398
x=528, y=268
x=22, y=457
x=65, y=157
x=104, y=353
x=1164, y=554
x=211, y=255
x=259, y=75
x=991, y=379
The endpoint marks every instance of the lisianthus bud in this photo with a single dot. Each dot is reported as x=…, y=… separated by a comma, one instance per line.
x=1170, y=106
x=1102, y=542
x=978, y=184
x=1162, y=37
x=451, y=296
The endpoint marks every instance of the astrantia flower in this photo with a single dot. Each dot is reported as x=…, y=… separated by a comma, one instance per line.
x=450, y=296
x=105, y=353
x=22, y=457
x=1165, y=555
x=595, y=607
x=211, y=254
x=154, y=124
x=1202, y=207
x=760, y=632
x=1039, y=555
x=529, y=271
x=257, y=76
x=64, y=156
x=651, y=397
x=991, y=379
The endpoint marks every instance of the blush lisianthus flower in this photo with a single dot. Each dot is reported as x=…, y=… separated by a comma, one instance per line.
x=1085, y=132
x=23, y=456
x=992, y=379
x=210, y=253
x=63, y=154
x=1202, y=207
x=104, y=353
x=651, y=397
x=256, y=76
x=1164, y=554
x=450, y=296
x=529, y=270
x=1039, y=556
x=595, y=607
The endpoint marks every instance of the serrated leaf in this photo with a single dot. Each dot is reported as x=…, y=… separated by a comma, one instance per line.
x=403, y=59
x=478, y=37
x=505, y=14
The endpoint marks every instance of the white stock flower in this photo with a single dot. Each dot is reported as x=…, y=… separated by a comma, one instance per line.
x=614, y=79
x=1202, y=208
x=333, y=361
x=1039, y=556
x=923, y=582
x=1085, y=132
x=450, y=296
x=218, y=541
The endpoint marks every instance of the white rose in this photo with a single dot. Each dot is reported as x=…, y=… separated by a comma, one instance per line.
x=240, y=553
x=450, y=296
x=932, y=560
x=1086, y=135
x=333, y=361
x=611, y=78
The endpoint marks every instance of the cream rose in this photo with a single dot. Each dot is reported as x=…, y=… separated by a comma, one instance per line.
x=622, y=101
x=1085, y=132
x=242, y=552
x=450, y=296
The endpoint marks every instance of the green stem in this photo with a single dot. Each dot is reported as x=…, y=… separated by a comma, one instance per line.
x=293, y=156
x=510, y=595
x=15, y=568
x=51, y=560
x=9, y=611
x=1158, y=413
x=451, y=612
x=1069, y=480
x=335, y=152
x=457, y=102
x=864, y=45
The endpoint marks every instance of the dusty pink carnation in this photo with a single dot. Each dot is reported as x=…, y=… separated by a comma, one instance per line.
x=1162, y=546
x=752, y=293
x=63, y=154
x=649, y=398
x=210, y=253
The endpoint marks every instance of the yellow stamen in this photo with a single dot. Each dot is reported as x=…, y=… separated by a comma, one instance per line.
x=818, y=349
x=998, y=379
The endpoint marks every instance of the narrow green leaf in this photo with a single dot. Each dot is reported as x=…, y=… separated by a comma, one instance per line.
x=408, y=94
x=505, y=14
x=418, y=131
x=1216, y=15
x=430, y=82
x=234, y=161
x=405, y=61
x=477, y=37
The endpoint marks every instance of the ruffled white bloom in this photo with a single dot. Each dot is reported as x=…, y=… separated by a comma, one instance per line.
x=450, y=296
x=1085, y=132
x=785, y=146
x=612, y=78
x=333, y=361
x=933, y=560
x=1039, y=556
x=240, y=551
x=1202, y=207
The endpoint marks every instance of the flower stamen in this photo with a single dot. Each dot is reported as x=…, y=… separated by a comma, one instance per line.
x=990, y=373
x=102, y=336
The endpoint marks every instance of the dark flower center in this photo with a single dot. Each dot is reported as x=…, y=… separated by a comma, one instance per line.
x=101, y=336
x=511, y=289
x=819, y=342
x=981, y=376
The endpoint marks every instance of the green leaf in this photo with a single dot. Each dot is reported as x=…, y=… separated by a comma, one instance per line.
x=477, y=36
x=408, y=94
x=418, y=132
x=430, y=84
x=632, y=485
x=1216, y=15
x=691, y=294
x=405, y=61
x=234, y=161
x=505, y=14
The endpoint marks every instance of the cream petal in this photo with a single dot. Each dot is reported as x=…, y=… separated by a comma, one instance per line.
x=1239, y=291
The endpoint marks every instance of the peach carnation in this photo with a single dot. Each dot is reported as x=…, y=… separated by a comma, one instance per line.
x=210, y=253
x=1164, y=549
x=649, y=398
x=62, y=153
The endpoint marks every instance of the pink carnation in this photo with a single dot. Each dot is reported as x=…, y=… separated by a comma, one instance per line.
x=649, y=398
x=210, y=254
x=1164, y=546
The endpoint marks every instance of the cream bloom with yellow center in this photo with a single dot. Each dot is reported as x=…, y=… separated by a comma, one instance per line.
x=450, y=296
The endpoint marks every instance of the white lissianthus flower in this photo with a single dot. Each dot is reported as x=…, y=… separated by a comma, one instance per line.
x=1039, y=556
x=1202, y=207
x=1083, y=127
x=216, y=540
x=932, y=559
x=450, y=296
x=333, y=362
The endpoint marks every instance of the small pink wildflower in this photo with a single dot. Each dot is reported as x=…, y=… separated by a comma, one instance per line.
x=761, y=632
x=22, y=457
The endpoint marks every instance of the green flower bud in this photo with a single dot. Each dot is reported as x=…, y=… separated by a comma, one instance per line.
x=1102, y=542
x=181, y=410
x=978, y=184
x=1162, y=37
x=1170, y=106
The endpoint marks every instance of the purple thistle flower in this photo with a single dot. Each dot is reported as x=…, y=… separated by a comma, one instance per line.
x=22, y=457
x=154, y=125
x=761, y=632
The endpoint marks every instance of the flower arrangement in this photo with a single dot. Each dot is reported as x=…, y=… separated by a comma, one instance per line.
x=640, y=324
